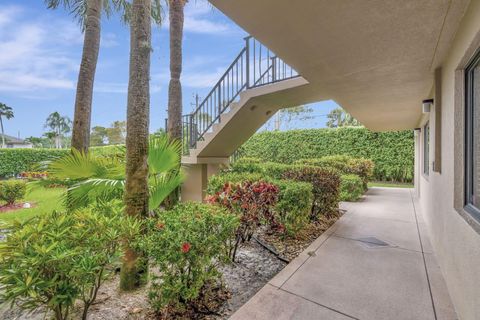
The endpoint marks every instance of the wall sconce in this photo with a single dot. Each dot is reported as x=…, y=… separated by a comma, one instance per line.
x=427, y=105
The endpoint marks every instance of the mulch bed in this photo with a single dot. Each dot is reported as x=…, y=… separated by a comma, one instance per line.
x=13, y=207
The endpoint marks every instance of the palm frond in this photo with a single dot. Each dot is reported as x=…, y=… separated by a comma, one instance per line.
x=80, y=166
x=163, y=154
x=93, y=190
x=163, y=186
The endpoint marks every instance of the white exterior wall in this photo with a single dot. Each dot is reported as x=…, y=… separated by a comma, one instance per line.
x=455, y=240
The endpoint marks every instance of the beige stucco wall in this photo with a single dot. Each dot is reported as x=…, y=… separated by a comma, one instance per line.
x=455, y=241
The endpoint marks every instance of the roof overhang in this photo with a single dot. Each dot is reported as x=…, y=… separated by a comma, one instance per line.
x=374, y=58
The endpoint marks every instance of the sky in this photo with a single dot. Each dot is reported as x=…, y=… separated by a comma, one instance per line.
x=40, y=53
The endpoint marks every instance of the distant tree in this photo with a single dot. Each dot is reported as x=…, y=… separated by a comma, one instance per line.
x=40, y=142
x=340, y=118
x=59, y=125
x=98, y=136
x=7, y=113
x=116, y=133
x=288, y=115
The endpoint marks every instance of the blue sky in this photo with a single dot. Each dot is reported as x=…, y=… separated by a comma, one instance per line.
x=40, y=55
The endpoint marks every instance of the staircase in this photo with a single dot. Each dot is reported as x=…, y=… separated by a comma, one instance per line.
x=253, y=88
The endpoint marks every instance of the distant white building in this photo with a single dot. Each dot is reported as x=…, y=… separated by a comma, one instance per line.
x=14, y=143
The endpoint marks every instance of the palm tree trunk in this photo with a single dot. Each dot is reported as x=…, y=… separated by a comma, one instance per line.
x=3, y=132
x=86, y=76
x=134, y=269
x=175, y=87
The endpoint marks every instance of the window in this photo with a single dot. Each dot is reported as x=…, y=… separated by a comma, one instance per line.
x=472, y=136
x=426, y=149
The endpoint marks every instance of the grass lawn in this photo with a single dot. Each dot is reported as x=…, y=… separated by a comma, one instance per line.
x=43, y=199
x=385, y=184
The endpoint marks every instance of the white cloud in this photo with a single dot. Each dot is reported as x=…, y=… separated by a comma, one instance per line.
x=109, y=40
x=198, y=19
x=36, y=54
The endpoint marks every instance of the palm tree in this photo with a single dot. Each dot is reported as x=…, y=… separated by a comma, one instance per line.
x=59, y=125
x=138, y=116
x=176, y=15
x=7, y=113
x=89, y=14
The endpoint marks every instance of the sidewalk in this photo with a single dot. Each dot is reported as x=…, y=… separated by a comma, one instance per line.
x=376, y=262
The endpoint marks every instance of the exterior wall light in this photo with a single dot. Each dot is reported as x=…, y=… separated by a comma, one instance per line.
x=427, y=105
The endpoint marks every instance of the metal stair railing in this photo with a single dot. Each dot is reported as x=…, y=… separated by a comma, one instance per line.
x=254, y=66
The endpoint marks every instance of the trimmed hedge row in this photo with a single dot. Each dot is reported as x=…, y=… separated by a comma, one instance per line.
x=325, y=181
x=16, y=161
x=392, y=152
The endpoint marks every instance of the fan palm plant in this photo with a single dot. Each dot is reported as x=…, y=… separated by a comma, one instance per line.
x=102, y=178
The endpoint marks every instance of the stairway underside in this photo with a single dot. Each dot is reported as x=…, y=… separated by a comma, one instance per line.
x=246, y=116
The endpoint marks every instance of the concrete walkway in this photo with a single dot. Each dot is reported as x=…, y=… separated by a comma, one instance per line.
x=376, y=262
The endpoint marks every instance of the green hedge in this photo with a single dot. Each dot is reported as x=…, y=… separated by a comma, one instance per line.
x=351, y=187
x=15, y=161
x=392, y=152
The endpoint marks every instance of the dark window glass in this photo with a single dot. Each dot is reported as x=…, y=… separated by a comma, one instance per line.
x=472, y=134
x=426, y=148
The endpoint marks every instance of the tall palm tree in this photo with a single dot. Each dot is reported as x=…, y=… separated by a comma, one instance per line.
x=176, y=15
x=7, y=113
x=89, y=14
x=59, y=125
x=138, y=115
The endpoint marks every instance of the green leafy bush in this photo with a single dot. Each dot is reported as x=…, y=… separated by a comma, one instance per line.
x=351, y=187
x=294, y=205
x=15, y=161
x=294, y=198
x=12, y=190
x=392, y=152
x=326, y=188
x=186, y=243
x=344, y=164
x=55, y=259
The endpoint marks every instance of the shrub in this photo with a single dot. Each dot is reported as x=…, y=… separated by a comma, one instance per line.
x=392, y=152
x=54, y=259
x=351, y=187
x=185, y=243
x=362, y=168
x=12, y=190
x=294, y=205
x=294, y=198
x=252, y=202
x=326, y=188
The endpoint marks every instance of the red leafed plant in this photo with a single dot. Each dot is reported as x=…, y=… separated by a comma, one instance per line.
x=253, y=202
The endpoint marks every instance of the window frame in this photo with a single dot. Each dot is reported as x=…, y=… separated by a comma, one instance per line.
x=426, y=149
x=469, y=164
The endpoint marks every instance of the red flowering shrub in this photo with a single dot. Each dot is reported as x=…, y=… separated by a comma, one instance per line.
x=253, y=202
x=186, y=244
x=34, y=175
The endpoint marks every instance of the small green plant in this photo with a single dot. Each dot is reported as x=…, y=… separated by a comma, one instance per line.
x=186, y=243
x=12, y=190
x=53, y=260
x=326, y=188
x=351, y=187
